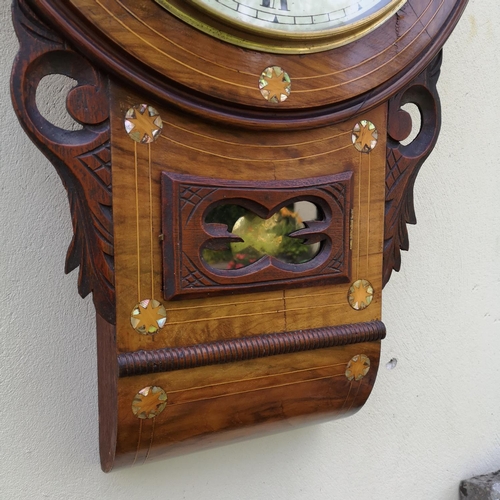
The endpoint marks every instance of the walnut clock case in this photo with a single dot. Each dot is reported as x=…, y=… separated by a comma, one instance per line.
x=240, y=189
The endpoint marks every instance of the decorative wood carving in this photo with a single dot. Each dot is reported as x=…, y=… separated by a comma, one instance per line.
x=404, y=162
x=82, y=158
x=288, y=355
x=258, y=346
x=359, y=77
x=187, y=200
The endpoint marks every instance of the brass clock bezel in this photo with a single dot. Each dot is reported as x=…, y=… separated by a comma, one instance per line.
x=274, y=41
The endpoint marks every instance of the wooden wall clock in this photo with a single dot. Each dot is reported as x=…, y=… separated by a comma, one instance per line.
x=240, y=188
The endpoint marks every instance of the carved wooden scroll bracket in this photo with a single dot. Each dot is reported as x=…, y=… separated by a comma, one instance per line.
x=404, y=161
x=82, y=158
x=83, y=161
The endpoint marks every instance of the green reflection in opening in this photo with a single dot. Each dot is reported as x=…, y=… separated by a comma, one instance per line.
x=261, y=236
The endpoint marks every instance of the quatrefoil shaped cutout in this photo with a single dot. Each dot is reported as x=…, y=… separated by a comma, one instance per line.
x=256, y=225
x=255, y=237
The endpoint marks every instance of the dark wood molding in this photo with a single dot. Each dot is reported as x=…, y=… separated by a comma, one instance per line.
x=186, y=200
x=107, y=371
x=413, y=45
x=82, y=158
x=404, y=162
x=245, y=348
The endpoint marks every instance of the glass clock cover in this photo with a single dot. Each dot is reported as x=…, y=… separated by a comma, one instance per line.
x=320, y=24
x=294, y=17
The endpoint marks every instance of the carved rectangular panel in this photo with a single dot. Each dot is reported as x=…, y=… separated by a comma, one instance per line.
x=186, y=201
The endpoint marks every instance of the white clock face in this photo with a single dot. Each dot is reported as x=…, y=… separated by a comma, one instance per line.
x=293, y=17
x=285, y=26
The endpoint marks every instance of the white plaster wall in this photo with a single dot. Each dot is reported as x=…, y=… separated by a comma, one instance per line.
x=430, y=422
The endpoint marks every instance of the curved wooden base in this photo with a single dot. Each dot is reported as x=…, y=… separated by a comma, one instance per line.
x=210, y=405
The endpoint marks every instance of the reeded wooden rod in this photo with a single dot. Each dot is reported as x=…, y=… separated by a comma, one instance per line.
x=258, y=346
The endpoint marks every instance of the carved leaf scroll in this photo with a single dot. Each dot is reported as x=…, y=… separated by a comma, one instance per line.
x=404, y=162
x=82, y=158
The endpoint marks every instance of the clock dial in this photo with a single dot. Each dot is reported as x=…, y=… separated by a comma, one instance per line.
x=294, y=17
x=285, y=26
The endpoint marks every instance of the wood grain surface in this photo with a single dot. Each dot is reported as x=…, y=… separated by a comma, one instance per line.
x=230, y=366
x=192, y=146
x=242, y=349
x=142, y=43
x=237, y=395
x=244, y=399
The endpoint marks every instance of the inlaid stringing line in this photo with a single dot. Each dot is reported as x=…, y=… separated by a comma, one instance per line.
x=347, y=397
x=151, y=222
x=284, y=310
x=354, y=398
x=390, y=47
x=249, y=160
x=168, y=56
x=246, y=145
x=157, y=33
x=247, y=315
x=358, y=243
x=225, y=304
x=251, y=379
x=137, y=226
x=341, y=84
x=257, y=389
x=138, y=442
x=417, y=21
x=151, y=440
x=368, y=216
x=262, y=301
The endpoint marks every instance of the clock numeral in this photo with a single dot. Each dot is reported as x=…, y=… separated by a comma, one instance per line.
x=272, y=4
